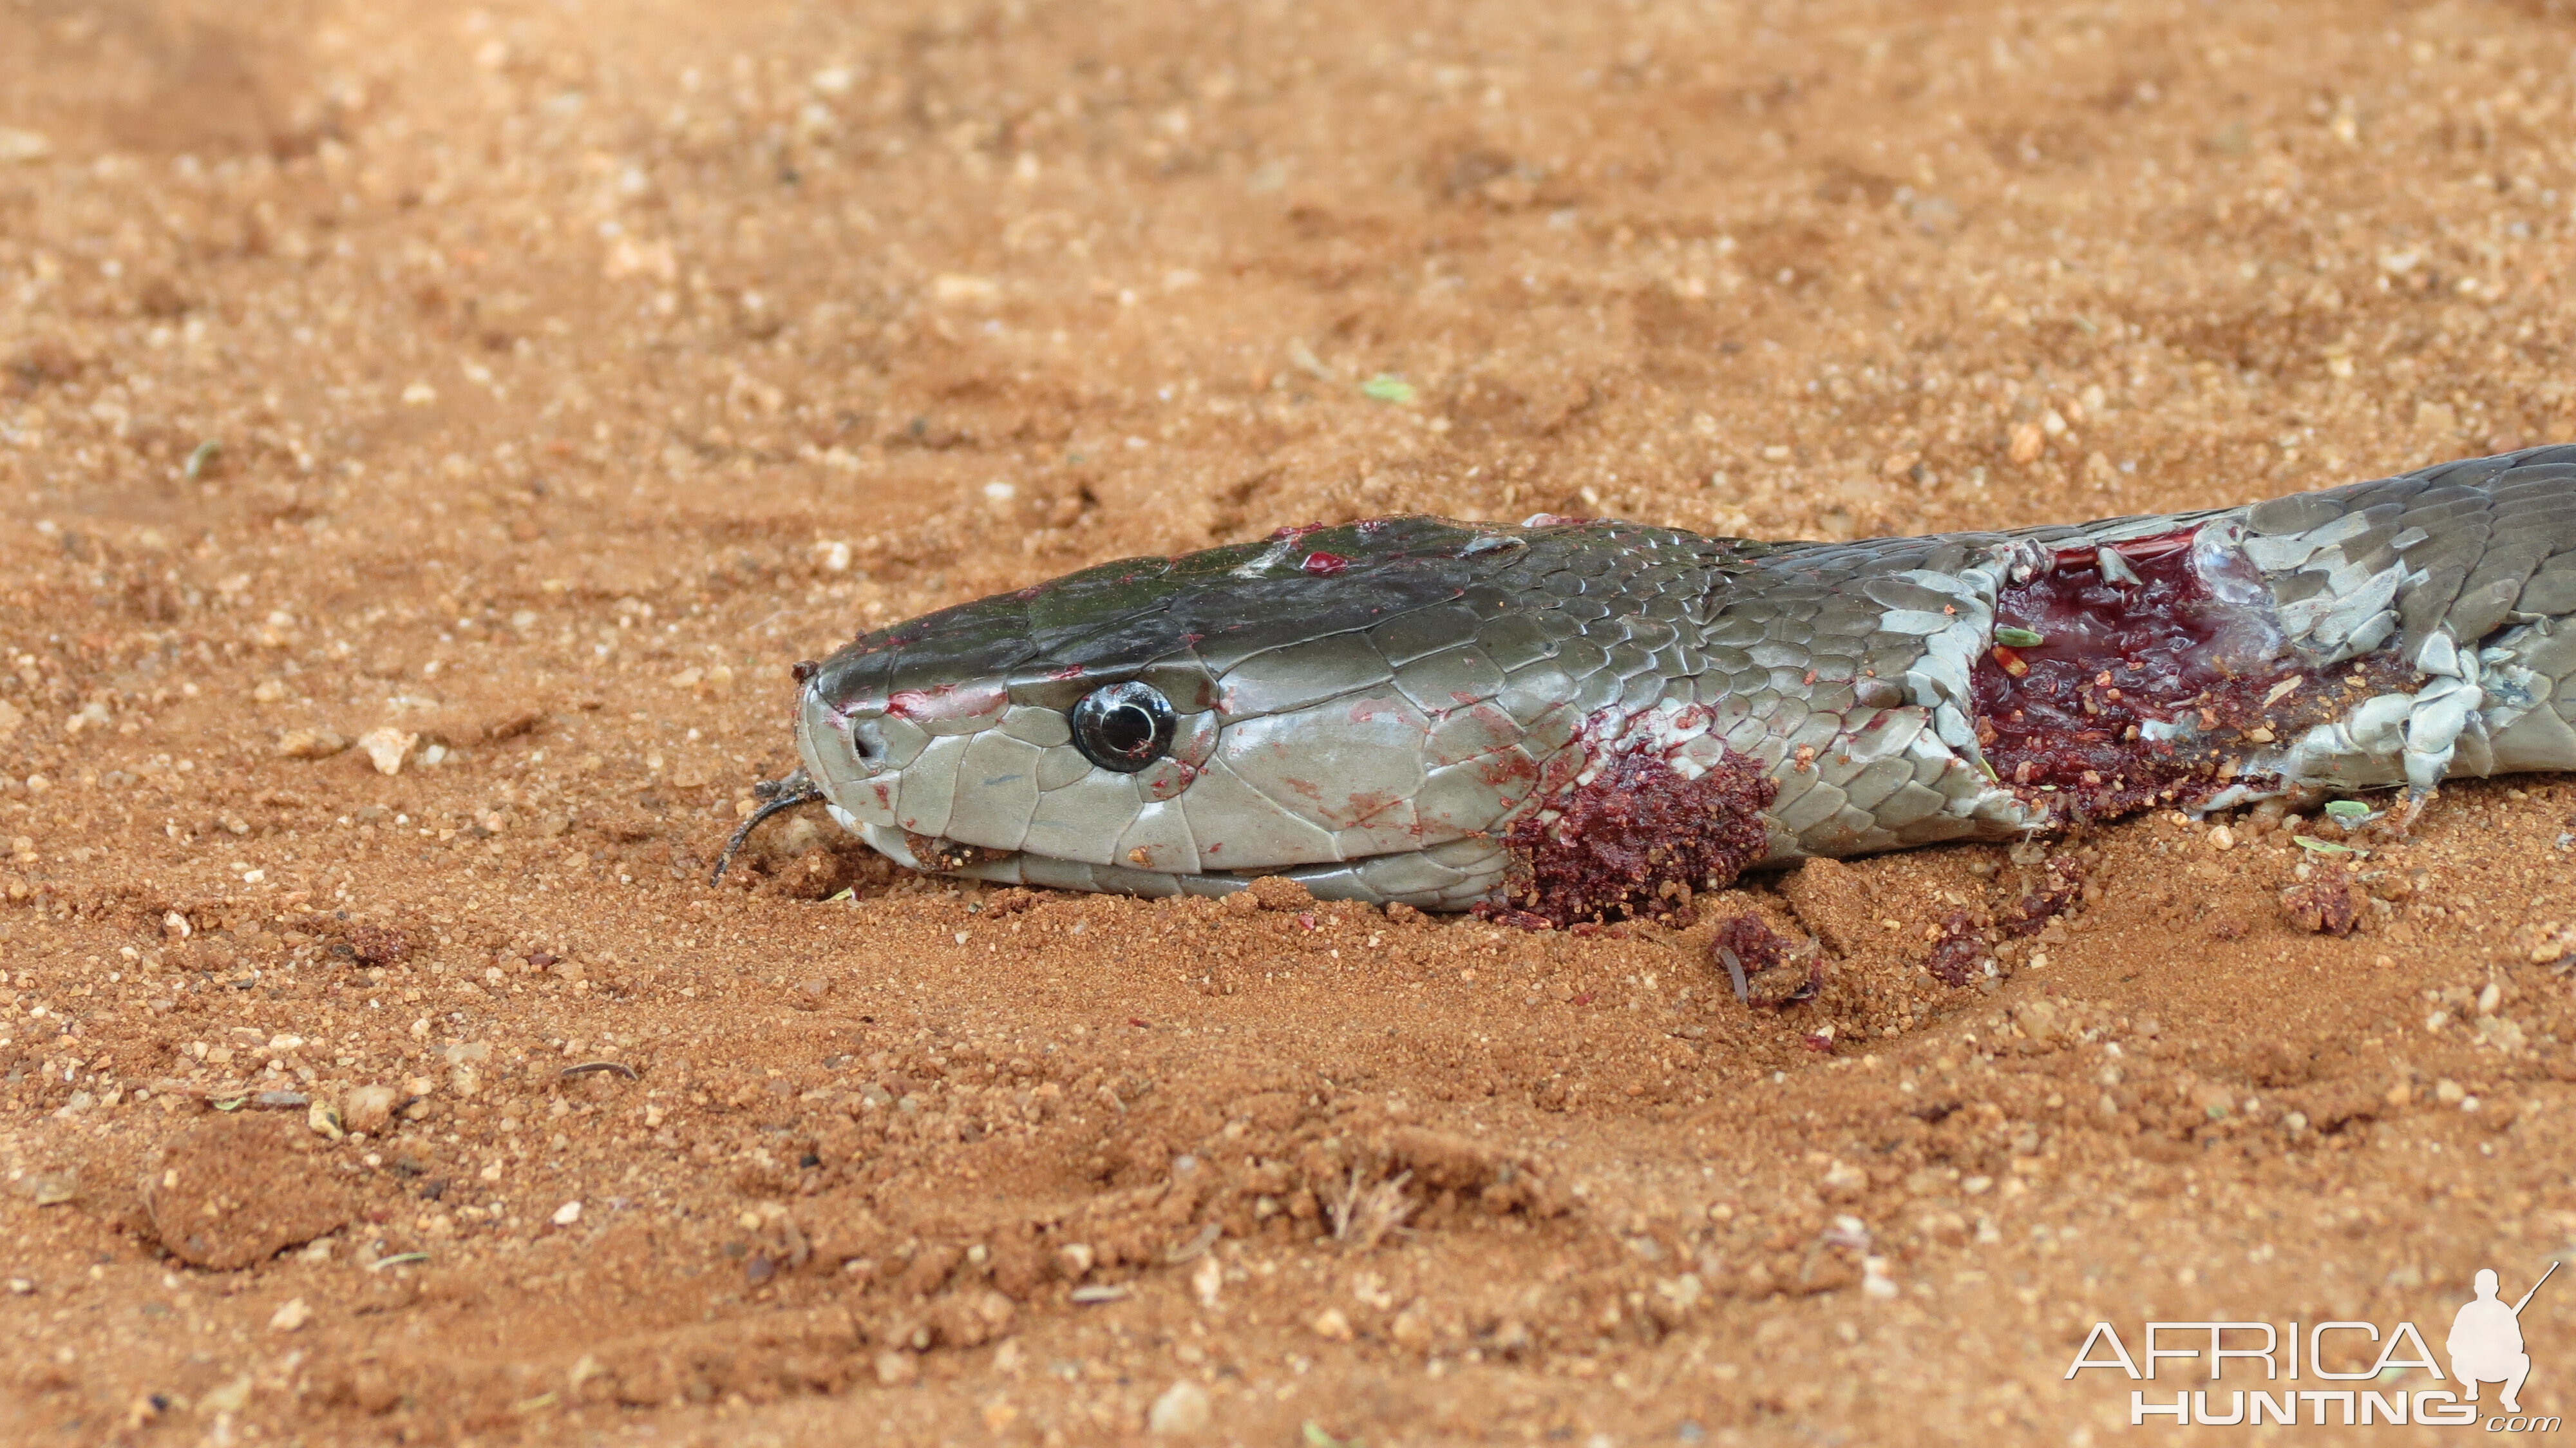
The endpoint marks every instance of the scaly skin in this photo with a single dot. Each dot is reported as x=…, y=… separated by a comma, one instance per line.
x=1457, y=714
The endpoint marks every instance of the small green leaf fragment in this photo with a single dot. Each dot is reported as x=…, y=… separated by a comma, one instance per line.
x=2019, y=638
x=2348, y=809
x=232, y=1105
x=202, y=457
x=1387, y=387
x=2323, y=847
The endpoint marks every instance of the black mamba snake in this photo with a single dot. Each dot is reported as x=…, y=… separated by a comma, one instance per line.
x=1575, y=720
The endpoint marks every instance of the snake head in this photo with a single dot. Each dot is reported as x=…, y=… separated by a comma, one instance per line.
x=1363, y=707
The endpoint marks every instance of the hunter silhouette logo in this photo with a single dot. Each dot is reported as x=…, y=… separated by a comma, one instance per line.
x=2486, y=1341
x=2485, y=1346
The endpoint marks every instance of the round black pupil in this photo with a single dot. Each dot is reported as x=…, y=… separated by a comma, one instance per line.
x=1127, y=728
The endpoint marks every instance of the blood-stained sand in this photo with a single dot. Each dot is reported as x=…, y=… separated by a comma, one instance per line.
x=428, y=435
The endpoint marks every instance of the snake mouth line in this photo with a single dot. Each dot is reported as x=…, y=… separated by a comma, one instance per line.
x=1022, y=867
x=1452, y=875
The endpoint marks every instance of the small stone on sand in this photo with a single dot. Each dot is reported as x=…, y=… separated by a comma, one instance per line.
x=387, y=746
x=1183, y=1408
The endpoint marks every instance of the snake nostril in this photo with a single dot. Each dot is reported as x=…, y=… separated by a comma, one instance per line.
x=866, y=741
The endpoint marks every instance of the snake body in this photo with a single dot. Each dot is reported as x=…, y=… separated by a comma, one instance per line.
x=1583, y=718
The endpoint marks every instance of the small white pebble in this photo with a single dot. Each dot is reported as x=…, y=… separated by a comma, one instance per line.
x=1874, y=1281
x=1182, y=1409
x=952, y=287
x=291, y=1316
x=386, y=747
x=567, y=1214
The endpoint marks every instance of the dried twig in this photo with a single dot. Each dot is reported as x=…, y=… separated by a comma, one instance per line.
x=1362, y=1216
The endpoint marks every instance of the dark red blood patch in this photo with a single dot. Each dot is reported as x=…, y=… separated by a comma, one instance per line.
x=2326, y=907
x=1750, y=952
x=1756, y=946
x=2063, y=720
x=2064, y=714
x=377, y=945
x=1324, y=565
x=2060, y=890
x=1955, y=954
x=1639, y=838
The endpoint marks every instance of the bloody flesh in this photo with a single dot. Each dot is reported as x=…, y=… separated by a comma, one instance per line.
x=1638, y=838
x=1956, y=951
x=2072, y=721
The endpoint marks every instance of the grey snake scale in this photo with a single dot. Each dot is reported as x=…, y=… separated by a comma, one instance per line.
x=1585, y=718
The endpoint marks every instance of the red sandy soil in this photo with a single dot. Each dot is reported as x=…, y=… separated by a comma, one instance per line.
x=537, y=382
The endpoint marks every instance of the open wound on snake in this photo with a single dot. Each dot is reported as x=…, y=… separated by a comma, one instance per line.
x=2141, y=674
x=1633, y=836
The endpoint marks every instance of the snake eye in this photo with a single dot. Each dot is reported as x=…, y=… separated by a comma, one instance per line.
x=1123, y=727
